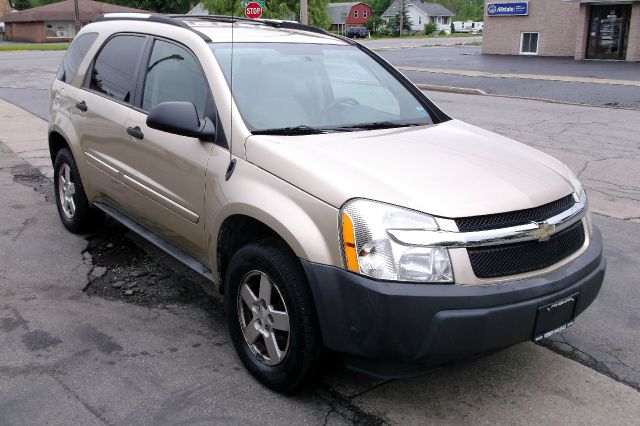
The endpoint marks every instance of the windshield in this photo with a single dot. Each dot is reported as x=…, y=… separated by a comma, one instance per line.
x=286, y=88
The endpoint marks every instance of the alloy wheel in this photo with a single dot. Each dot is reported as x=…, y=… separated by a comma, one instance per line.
x=66, y=191
x=264, y=319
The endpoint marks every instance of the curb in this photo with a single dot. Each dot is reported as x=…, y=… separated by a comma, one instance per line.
x=451, y=89
x=479, y=92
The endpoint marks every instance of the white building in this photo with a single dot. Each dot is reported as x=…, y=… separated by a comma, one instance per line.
x=421, y=13
x=468, y=26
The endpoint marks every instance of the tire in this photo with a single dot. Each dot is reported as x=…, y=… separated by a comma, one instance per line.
x=301, y=354
x=73, y=207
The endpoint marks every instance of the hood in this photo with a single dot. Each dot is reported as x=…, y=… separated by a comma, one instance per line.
x=451, y=169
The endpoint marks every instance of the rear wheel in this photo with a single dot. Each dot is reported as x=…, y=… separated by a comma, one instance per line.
x=271, y=315
x=73, y=207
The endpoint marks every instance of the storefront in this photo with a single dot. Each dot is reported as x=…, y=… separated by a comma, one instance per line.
x=608, y=31
x=584, y=29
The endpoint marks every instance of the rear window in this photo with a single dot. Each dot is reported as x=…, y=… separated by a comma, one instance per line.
x=115, y=66
x=74, y=56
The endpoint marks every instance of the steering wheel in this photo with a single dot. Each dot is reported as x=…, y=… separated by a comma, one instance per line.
x=345, y=101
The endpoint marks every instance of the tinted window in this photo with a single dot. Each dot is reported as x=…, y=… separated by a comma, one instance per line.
x=75, y=54
x=115, y=66
x=173, y=74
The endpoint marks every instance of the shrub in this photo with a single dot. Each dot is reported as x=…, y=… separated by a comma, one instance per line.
x=430, y=28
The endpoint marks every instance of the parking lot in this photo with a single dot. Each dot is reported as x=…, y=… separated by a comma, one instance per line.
x=77, y=347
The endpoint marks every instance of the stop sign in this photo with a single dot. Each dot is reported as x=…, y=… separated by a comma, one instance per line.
x=253, y=10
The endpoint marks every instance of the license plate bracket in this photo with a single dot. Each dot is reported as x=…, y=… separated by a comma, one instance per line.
x=555, y=317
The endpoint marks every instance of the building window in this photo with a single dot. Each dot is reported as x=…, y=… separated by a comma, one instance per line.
x=355, y=13
x=62, y=29
x=445, y=20
x=529, y=44
x=419, y=20
x=432, y=19
x=364, y=14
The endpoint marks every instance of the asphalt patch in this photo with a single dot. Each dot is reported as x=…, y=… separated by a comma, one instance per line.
x=28, y=175
x=127, y=268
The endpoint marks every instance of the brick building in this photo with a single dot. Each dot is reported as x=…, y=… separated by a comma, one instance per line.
x=584, y=29
x=54, y=22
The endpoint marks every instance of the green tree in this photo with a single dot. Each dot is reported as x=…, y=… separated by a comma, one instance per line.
x=319, y=13
x=394, y=23
x=276, y=9
x=373, y=24
x=20, y=4
x=158, y=6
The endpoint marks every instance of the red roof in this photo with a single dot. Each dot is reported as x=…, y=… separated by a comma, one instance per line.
x=64, y=11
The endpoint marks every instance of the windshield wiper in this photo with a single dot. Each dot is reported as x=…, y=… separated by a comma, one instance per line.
x=378, y=125
x=291, y=131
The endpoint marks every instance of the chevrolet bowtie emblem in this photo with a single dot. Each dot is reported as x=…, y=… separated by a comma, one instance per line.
x=544, y=231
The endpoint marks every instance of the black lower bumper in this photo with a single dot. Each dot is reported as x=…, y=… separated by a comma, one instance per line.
x=392, y=329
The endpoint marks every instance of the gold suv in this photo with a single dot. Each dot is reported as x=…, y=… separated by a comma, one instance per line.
x=331, y=201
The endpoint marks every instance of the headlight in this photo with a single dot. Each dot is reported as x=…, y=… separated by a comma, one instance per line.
x=575, y=183
x=369, y=250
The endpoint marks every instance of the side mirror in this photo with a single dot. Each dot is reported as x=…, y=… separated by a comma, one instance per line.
x=180, y=118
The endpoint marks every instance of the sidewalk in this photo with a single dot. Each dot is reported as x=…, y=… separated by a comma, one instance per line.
x=26, y=135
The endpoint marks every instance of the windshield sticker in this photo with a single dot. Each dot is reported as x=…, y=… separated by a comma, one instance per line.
x=421, y=111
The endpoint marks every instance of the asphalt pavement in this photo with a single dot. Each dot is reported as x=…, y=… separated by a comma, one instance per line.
x=104, y=329
x=445, y=66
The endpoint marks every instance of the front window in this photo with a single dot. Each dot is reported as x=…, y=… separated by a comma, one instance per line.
x=315, y=87
x=173, y=74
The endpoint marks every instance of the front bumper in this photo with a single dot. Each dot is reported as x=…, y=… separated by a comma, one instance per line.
x=393, y=329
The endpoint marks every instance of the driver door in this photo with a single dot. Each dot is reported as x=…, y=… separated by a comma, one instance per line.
x=167, y=170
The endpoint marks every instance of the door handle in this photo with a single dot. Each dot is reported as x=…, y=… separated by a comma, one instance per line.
x=82, y=106
x=135, y=132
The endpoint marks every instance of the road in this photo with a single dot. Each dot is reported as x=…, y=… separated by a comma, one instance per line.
x=457, y=66
x=381, y=44
x=74, y=349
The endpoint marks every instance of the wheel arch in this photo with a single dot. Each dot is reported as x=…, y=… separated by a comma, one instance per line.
x=240, y=229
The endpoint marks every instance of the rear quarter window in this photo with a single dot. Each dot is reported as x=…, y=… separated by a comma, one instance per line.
x=74, y=56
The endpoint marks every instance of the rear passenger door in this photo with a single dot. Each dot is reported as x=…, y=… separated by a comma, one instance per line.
x=100, y=113
x=168, y=170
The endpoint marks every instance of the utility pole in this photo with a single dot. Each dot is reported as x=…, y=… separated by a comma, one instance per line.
x=304, y=12
x=401, y=16
x=76, y=15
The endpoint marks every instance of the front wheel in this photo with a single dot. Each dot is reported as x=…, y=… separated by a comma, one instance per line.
x=271, y=315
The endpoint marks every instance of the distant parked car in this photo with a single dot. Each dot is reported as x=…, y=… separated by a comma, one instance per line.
x=355, y=32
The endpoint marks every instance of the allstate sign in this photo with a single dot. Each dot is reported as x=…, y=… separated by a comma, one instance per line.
x=508, y=9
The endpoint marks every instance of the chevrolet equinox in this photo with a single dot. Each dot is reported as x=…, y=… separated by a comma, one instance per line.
x=332, y=203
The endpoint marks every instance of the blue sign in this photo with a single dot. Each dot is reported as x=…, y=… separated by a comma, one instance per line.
x=508, y=9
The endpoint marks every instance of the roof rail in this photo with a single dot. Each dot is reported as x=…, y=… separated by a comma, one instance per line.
x=149, y=17
x=291, y=25
x=178, y=21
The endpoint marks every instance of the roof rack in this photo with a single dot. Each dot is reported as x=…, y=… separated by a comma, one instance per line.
x=291, y=25
x=178, y=21
x=149, y=17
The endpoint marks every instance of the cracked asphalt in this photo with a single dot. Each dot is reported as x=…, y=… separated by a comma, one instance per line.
x=105, y=329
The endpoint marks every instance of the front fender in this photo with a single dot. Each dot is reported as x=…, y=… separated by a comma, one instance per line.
x=309, y=226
